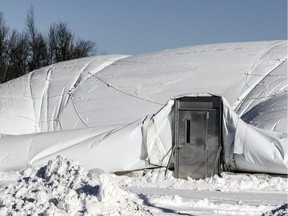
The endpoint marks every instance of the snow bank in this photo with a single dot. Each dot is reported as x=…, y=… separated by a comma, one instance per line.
x=279, y=211
x=63, y=187
x=232, y=182
x=212, y=208
x=232, y=194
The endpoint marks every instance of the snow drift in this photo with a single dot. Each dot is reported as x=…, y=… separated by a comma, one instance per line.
x=63, y=187
x=115, y=112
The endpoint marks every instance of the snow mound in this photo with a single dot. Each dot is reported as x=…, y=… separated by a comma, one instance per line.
x=279, y=211
x=63, y=187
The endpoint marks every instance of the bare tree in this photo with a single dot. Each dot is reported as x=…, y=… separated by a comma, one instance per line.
x=83, y=48
x=62, y=45
x=37, y=47
x=23, y=52
x=17, y=55
x=4, y=30
x=60, y=42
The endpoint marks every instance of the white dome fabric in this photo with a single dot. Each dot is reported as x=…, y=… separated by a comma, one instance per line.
x=107, y=93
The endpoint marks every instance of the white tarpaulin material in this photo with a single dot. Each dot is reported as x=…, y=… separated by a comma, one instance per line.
x=93, y=148
x=101, y=110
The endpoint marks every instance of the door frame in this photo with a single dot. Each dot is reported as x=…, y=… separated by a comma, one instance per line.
x=205, y=103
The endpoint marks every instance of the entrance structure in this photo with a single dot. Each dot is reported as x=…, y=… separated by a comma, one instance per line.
x=197, y=136
x=117, y=112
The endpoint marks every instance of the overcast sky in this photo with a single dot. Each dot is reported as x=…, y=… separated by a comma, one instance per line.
x=139, y=26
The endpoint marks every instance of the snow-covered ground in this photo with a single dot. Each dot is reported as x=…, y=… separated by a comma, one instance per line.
x=231, y=194
x=63, y=187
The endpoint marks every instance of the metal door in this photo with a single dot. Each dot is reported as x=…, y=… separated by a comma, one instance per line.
x=198, y=143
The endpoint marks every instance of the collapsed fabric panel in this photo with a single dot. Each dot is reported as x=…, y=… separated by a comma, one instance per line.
x=260, y=150
x=145, y=143
x=98, y=104
x=110, y=92
x=110, y=149
x=158, y=136
x=137, y=86
x=34, y=102
x=270, y=114
x=16, y=107
x=270, y=85
x=115, y=90
x=223, y=69
x=251, y=149
x=245, y=147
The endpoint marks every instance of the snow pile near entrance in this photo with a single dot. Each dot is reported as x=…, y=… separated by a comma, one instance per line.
x=228, y=182
x=63, y=187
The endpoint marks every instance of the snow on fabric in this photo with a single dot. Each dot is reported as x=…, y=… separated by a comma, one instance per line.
x=115, y=112
x=63, y=187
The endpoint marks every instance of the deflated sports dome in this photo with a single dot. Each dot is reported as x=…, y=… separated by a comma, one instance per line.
x=115, y=112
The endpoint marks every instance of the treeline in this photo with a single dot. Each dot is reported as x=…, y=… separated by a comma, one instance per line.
x=22, y=52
